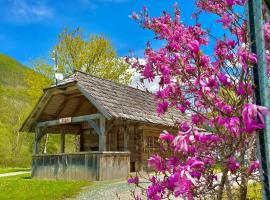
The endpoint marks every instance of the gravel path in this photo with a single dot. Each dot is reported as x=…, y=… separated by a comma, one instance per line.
x=106, y=191
x=14, y=173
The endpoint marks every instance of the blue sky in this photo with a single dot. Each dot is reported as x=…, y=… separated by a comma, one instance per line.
x=29, y=28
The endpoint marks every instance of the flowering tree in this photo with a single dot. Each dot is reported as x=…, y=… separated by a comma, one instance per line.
x=216, y=91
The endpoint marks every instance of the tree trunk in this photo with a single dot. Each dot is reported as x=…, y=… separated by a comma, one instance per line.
x=228, y=190
x=244, y=180
x=243, y=188
x=222, y=183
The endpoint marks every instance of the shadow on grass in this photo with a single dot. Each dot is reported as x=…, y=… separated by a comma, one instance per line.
x=26, y=177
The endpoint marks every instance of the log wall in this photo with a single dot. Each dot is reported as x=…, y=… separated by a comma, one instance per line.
x=138, y=136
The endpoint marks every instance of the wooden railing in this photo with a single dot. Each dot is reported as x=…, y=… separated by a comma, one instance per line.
x=82, y=166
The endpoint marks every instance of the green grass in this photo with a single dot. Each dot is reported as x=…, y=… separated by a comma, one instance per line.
x=24, y=188
x=15, y=169
x=254, y=191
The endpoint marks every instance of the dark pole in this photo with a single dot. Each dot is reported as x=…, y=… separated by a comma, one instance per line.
x=261, y=87
x=267, y=3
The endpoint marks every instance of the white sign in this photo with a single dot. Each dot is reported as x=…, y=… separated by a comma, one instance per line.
x=65, y=120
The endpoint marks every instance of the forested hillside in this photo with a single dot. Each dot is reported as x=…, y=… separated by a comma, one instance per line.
x=20, y=89
x=15, y=147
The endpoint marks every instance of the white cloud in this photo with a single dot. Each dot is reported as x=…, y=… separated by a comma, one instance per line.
x=145, y=85
x=27, y=11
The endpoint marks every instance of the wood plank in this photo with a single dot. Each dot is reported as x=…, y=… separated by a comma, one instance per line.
x=73, y=120
x=61, y=107
x=102, y=136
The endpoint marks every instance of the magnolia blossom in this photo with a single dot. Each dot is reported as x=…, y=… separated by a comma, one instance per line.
x=254, y=166
x=156, y=162
x=253, y=117
x=134, y=180
x=166, y=136
x=233, y=165
x=181, y=143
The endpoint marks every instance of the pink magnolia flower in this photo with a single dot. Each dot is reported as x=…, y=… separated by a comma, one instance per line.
x=184, y=126
x=166, y=136
x=172, y=162
x=233, y=126
x=194, y=46
x=232, y=164
x=134, y=15
x=244, y=89
x=148, y=73
x=181, y=143
x=190, y=68
x=226, y=109
x=196, y=119
x=226, y=20
x=254, y=166
x=153, y=191
x=156, y=162
x=162, y=107
x=223, y=79
x=253, y=117
x=183, y=187
x=180, y=185
x=134, y=180
x=182, y=108
x=230, y=2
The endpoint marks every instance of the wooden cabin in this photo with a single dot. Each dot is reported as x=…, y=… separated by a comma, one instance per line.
x=117, y=124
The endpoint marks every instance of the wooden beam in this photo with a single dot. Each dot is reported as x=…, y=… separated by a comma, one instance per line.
x=67, y=129
x=93, y=124
x=102, y=136
x=42, y=103
x=69, y=120
x=75, y=95
x=62, y=147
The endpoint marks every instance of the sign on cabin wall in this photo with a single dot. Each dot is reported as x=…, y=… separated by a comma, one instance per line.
x=65, y=120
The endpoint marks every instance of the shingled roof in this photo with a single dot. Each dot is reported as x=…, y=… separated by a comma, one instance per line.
x=121, y=101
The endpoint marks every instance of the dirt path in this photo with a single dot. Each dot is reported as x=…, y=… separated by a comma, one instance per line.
x=14, y=173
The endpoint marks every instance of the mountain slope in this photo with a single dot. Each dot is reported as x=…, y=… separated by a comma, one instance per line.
x=14, y=106
x=20, y=88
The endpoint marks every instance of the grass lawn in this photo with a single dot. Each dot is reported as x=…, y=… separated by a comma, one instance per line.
x=22, y=187
x=254, y=191
x=15, y=169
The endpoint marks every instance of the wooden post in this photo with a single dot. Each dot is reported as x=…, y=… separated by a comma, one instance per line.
x=62, y=148
x=37, y=139
x=102, y=135
x=126, y=138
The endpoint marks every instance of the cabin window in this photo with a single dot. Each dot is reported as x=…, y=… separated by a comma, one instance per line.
x=152, y=142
